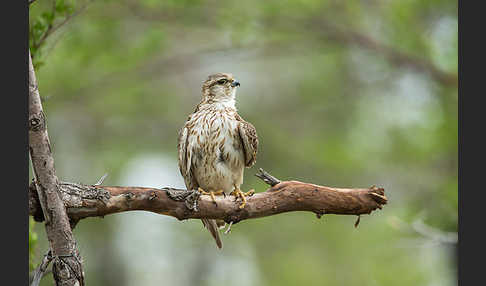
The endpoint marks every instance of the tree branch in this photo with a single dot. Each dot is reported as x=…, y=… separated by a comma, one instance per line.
x=348, y=37
x=428, y=232
x=394, y=56
x=67, y=268
x=84, y=201
x=53, y=28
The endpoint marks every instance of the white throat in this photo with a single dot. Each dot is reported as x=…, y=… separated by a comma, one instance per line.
x=225, y=103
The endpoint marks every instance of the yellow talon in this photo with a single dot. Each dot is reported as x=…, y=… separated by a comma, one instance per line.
x=211, y=193
x=218, y=193
x=202, y=191
x=238, y=193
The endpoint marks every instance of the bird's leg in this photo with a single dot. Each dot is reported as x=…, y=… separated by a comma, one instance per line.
x=229, y=228
x=203, y=192
x=238, y=193
x=217, y=193
x=212, y=194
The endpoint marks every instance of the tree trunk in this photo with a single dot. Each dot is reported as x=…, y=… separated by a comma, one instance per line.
x=67, y=267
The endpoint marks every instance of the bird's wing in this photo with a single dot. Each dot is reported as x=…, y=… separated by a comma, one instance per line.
x=249, y=140
x=185, y=160
x=185, y=164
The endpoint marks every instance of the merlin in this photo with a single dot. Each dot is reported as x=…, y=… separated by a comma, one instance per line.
x=216, y=144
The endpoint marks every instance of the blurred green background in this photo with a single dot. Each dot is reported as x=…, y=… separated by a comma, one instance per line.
x=342, y=93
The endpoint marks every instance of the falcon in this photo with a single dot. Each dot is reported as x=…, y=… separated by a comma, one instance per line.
x=216, y=144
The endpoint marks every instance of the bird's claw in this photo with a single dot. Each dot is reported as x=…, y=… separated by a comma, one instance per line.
x=212, y=194
x=238, y=193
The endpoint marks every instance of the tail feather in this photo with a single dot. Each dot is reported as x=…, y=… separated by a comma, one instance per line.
x=211, y=225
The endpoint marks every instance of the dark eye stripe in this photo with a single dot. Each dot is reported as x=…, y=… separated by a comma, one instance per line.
x=222, y=81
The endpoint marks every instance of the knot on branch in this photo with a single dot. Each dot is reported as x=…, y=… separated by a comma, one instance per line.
x=68, y=268
x=37, y=122
x=190, y=197
x=80, y=192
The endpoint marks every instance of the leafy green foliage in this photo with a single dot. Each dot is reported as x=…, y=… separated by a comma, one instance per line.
x=44, y=22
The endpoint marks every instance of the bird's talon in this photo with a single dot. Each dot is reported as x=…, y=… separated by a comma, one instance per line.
x=238, y=193
x=212, y=194
x=203, y=192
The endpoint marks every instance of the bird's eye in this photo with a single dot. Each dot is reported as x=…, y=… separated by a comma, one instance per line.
x=222, y=81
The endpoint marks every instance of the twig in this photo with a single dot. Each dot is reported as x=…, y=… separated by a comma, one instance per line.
x=100, y=181
x=433, y=233
x=53, y=28
x=229, y=228
x=424, y=230
x=41, y=269
x=267, y=178
x=50, y=30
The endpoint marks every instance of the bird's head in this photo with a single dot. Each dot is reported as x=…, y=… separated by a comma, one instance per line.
x=219, y=87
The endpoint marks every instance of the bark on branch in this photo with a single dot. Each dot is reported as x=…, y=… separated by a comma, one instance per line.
x=67, y=268
x=84, y=201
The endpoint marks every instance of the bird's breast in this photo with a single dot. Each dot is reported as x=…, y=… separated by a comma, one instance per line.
x=218, y=157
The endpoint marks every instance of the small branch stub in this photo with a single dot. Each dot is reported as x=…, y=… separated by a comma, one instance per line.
x=357, y=221
x=267, y=178
x=319, y=214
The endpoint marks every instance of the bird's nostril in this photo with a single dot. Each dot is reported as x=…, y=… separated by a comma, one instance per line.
x=235, y=83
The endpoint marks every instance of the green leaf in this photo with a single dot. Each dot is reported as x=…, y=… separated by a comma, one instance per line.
x=48, y=17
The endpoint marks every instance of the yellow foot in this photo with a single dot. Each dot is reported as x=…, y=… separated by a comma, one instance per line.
x=238, y=193
x=212, y=194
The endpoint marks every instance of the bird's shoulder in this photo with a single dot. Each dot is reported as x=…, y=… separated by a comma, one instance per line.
x=246, y=125
x=240, y=119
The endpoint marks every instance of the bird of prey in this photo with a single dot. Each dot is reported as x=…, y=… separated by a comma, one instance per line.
x=216, y=144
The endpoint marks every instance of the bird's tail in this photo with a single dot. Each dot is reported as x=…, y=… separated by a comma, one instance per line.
x=211, y=225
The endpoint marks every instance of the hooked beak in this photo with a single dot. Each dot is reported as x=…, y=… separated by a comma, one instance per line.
x=235, y=83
